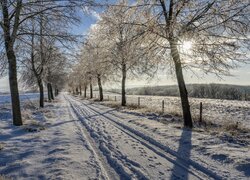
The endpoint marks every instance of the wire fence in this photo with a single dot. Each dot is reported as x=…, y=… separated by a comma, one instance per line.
x=212, y=110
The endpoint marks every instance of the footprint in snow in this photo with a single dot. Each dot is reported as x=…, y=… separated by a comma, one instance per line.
x=245, y=168
x=57, y=150
x=158, y=164
x=221, y=157
x=161, y=173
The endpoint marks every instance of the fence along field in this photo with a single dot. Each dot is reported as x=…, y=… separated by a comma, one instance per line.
x=213, y=110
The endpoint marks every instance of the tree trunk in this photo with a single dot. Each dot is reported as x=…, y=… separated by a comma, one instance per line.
x=181, y=84
x=36, y=72
x=91, y=90
x=40, y=85
x=48, y=91
x=77, y=91
x=85, y=91
x=124, y=74
x=80, y=90
x=51, y=92
x=9, y=41
x=100, y=87
x=15, y=101
x=56, y=91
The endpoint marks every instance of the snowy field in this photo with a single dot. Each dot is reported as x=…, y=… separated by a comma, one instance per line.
x=5, y=98
x=214, y=110
x=73, y=138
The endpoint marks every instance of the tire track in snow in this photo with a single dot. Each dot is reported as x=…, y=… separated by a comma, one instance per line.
x=111, y=156
x=211, y=167
x=103, y=171
x=115, y=155
x=160, y=149
x=88, y=114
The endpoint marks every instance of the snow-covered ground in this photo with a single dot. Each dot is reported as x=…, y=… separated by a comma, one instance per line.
x=74, y=138
x=5, y=98
x=214, y=110
x=51, y=145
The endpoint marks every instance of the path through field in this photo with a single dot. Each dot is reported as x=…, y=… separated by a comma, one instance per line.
x=129, y=154
x=135, y=154
x=86, y=140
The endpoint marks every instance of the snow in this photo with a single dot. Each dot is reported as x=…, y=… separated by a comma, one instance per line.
x=57, y=152
x=73, y=138
x=214, y=110
x=5, y=98
x=215, y=156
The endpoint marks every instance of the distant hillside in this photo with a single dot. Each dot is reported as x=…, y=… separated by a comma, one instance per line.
x=213, y=91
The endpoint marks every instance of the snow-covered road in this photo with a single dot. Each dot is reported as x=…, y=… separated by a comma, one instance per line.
x=138, y=155
x=127, y=153
x=79, y=139
x=50, y=145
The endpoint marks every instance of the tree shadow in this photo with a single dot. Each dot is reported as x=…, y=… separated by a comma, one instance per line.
x=182, y=163
x=5, y=114
x=98, y=114
x=184, y=150
x=63, y=122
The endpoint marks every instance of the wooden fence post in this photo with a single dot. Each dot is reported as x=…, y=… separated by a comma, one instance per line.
x=138, y=101
x=162, y=106
x=200, y=112
x=115, y=98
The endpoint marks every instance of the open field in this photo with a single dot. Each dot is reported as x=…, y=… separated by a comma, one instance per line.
x=214, y=110
x=5, y=98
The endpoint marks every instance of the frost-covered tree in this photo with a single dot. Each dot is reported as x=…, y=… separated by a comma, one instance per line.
x=37, y=71
x=211, y=35
x=127, y=53
x=78, y=79
x=13, y=16
x=95, y=56
x=43, y=36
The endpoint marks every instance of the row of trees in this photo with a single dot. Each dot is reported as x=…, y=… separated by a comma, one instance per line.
x=32, y=36
x=131, y=39
x=211, y=91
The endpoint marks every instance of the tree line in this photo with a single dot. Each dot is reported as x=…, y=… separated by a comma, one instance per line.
x=210, y=91
x=34, y=41
x=130, y=39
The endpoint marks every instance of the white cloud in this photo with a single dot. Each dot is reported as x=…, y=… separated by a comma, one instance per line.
x=92, y=13
x=95, y=15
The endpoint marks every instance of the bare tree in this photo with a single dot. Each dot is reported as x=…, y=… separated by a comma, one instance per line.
x=123, y=42
x=94, y=55
x=14, y=14
x=212, y=35
x=78, y=78
x=10, y=24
